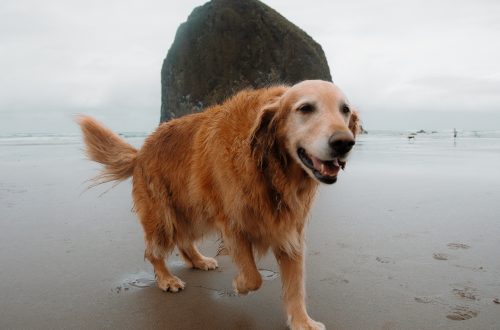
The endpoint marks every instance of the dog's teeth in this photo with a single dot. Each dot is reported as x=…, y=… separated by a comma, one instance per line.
x=322, y=168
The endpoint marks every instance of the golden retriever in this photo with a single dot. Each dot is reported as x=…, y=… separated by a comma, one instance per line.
x=248, y=168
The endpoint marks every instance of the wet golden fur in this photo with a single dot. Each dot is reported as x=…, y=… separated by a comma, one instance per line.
x=227, y=169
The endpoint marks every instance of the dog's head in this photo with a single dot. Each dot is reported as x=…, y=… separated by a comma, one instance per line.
x=318, y=127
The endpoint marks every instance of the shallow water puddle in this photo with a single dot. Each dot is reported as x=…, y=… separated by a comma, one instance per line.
x=268, y=275
x=176, y=264
x=144, y=279
x=142, y=282
x=225, y=293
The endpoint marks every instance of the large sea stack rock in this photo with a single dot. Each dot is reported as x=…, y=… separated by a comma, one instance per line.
x=228, y=45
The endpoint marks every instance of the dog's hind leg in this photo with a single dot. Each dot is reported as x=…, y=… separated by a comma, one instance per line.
x=165, y=280
x=159, y=242
x=158, y=221
x=156, y=254
x=194, y=258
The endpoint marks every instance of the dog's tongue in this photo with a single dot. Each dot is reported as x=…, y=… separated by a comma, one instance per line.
x=328, y=168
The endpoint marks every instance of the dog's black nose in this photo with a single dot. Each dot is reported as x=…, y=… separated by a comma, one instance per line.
x=341, y=143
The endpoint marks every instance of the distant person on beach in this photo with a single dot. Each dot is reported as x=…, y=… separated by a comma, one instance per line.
x=454, y=133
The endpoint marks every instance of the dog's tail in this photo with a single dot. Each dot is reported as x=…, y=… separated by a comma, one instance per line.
x=106, y=147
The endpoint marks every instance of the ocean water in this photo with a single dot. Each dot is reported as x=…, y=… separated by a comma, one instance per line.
x=382, y=141
x=30, y=139
x=470, y=153
x=444, y=139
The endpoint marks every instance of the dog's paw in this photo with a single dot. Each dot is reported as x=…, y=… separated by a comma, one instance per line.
x=170, y=283
x=308, y=324
x=205, y=264
x=243, y=284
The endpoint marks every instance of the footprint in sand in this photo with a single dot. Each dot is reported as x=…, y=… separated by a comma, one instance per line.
x=461, y=313
x=440, y=256
x=474, y=269
x=424, y=300
x=458, y=246
x=467, y=293
x=334, y=279
x=384, y=260
x=430, y=300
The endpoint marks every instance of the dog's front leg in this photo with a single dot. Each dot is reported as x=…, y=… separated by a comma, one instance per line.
x=292, y=277
x=248, y=278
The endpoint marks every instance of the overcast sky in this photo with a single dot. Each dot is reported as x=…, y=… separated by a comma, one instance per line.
x=404, y=64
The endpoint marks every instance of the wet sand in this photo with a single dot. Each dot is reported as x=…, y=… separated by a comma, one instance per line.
x=407, y=239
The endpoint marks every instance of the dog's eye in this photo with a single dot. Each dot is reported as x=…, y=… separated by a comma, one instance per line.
x=345, y=109
x=306, y=108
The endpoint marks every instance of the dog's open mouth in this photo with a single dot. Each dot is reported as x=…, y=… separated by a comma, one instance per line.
x=324, y=170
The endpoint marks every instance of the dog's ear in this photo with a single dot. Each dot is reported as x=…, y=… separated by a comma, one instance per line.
x=354, y=123
x=263, y=133
x=263, y=126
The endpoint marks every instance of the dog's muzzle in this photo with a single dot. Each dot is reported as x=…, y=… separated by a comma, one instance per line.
x=326, y=170
x=341, y=144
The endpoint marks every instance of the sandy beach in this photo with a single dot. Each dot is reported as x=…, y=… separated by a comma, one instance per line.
x=407, y=239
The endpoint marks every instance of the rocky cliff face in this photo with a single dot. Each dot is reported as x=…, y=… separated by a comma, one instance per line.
x=228, y=45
